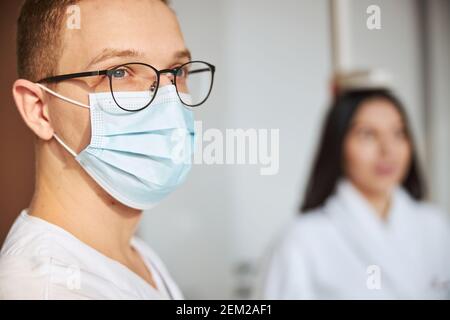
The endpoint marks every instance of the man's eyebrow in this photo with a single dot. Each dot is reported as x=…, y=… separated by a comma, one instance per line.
x=109, y=53
x=112, y=53
x=183, y=54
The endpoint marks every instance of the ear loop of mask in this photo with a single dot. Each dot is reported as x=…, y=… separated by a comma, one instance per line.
x=62, y=97
x=73, y=153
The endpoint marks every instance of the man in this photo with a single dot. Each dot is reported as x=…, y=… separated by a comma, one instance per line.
x=103, y=86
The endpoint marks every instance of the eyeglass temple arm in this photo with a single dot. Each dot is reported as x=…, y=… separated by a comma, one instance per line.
x=199, y=70
x=174, y=71
x=72, y=76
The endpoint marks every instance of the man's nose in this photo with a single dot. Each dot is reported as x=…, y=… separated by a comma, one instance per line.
x=166, y=79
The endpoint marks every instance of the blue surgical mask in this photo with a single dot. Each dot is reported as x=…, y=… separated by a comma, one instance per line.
x=137, y=157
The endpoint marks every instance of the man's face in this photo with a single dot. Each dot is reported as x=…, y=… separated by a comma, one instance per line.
x=112, y=32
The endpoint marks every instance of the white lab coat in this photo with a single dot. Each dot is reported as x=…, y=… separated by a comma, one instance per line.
x=40, y=260
x=343, y=250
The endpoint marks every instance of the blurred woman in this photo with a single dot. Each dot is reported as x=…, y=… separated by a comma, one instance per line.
x=365, y=231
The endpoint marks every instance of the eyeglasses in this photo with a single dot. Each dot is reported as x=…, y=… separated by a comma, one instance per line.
x=193, y=81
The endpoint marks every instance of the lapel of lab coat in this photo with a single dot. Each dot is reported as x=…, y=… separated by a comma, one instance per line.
x=374, y=241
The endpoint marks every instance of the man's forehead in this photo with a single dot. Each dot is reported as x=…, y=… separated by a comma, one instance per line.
x=147, y=31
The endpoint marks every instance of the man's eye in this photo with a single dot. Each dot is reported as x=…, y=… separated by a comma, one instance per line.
x=182, y=72
x=120, y=73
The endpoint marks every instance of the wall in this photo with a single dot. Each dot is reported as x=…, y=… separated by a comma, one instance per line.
x=16, y=143
x=437, y=18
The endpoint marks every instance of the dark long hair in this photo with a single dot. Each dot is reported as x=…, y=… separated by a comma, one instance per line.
x=328, y=164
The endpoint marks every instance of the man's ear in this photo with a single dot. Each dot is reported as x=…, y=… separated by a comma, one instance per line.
x=30, y=102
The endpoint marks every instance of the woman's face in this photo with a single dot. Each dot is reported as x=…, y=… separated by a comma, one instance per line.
x=377, y=150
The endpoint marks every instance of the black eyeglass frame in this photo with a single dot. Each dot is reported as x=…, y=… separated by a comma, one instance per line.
x=109, y=74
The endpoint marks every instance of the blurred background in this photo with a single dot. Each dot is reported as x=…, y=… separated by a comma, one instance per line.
x=275, y=61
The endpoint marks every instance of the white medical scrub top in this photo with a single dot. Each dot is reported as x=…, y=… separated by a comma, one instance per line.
x=40, y=260
x=343, y=250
